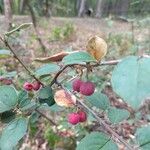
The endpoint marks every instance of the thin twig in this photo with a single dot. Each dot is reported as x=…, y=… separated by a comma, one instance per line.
x=51, y=121
x=45, y=116
x=54, y=80
x=106, y=126
x=111, y=62
x=19, y=60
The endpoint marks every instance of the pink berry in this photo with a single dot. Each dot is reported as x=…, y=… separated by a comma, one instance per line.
x=87, y=88
x=73, y=118
x=83, y=116
x=7, y=81
x=1, y=78
x=76, y=85
x=28, y=86
x=36, y=85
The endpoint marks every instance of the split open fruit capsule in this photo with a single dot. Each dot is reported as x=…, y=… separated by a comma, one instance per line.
x=97, y=47
x=63, y=98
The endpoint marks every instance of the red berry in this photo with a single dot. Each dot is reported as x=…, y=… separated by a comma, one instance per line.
x=1, y=78
x=28, y=86
x=7, y=81
x=73, y=118
x=36, y=85
x=76, y=85
x=87, y=88
x=83, y=116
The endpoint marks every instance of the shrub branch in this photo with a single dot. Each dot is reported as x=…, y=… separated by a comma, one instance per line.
x=54, y=81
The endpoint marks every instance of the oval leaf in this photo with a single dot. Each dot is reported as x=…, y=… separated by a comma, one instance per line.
x=9, y=74
x=78, y=57
x=46, y=95
x=27, y=105
x=99, y=100
x=117, y=115
x=7, y=116
x=47, y=69
x=8, y=98
x=131, y=80
x=12, y=133
x=97, y=141
x=143, y=137
x=22, y=96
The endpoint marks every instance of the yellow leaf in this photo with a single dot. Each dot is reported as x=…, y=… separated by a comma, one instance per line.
x=97, y=47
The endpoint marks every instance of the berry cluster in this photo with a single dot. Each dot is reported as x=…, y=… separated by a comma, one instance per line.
x=85, y=88
x=74, y=118
x=32, y=86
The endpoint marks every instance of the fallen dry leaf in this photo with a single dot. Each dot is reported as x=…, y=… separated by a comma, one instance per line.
x=54, y=58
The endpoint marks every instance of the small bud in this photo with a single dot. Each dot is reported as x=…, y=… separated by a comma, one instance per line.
x=73, y=118
x=27, y=86
x=87, y=88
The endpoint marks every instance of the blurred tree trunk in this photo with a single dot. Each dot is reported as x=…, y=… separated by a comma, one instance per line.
x=99, y=9
x=121, y=7
x=33, y=17
x=8, y=14
x=124, y=7
x=81, y=7
x=77, y=5
x=47, y=9
x=22, y=5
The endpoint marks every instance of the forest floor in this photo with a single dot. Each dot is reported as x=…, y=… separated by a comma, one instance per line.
x=77, y=32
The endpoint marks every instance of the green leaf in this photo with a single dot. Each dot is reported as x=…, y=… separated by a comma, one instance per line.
x=49, y=101
x=12, y=133
x=8, y=98
x=46, y=95
x=22, y=96
x=5, y=53
x=22, y=26
x=34, y=117
x=24, y=102
x=28, y=105
x=99, y=100
x=47, y=69
x=78, y=57
x=56, y=108
x=7, y=116
x=96, y=141
x=131, y=80
x=143, y=137
x=117, y=115
x=9, y=74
